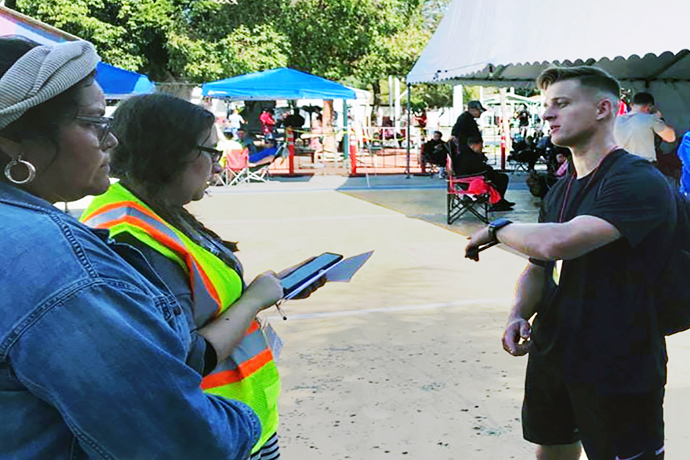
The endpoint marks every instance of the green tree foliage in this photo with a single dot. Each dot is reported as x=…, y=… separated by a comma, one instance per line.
x=188, y=40
x=367, y=40
x=435, y=96
x=433, y=11
x=526, y=92
x=356, y=41
x=329, y=36
x=431, y=96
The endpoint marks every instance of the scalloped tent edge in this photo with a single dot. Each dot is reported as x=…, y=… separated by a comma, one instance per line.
x=508, y=43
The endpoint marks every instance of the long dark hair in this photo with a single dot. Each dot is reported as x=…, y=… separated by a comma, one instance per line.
x=158, y=135
x=42, y=122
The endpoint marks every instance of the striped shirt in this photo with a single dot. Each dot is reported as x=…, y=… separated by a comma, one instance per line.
x=269, y=451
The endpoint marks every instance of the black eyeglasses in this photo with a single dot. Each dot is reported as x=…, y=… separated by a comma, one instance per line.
x=214, y=153
x=102, y=124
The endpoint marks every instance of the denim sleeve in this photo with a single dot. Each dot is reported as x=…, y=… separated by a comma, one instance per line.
x=177, y=281
x=106, y=356
x=201, y=355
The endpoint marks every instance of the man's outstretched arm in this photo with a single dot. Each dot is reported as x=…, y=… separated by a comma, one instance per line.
x=552, y=241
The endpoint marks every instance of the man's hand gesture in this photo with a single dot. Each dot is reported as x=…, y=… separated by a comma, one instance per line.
x=516, y=338
x=477, y=239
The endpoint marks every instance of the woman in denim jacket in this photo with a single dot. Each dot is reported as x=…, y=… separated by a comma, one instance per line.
x=96, y=360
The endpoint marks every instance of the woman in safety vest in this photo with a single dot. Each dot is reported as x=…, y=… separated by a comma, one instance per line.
x=165, y=159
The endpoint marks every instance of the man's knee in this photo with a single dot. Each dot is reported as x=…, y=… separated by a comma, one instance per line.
x=560, y=452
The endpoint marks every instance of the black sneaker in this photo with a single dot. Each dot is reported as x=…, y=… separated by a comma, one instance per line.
x=498, y=207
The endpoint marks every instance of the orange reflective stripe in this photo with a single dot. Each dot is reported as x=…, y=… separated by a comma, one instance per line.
x=172, y=244
x=120, y=204
x=243, y=371
x=253, y=327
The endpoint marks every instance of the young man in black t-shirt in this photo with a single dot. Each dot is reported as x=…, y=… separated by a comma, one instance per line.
x=597, y=357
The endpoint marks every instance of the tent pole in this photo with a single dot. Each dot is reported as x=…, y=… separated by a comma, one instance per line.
x=408, y=132
x=346, y=137
x=505, y=128
x=391, y=114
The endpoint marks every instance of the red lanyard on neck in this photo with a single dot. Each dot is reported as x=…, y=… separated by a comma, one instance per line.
x=589, y=181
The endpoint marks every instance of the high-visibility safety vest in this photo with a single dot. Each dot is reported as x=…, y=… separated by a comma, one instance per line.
x=249, y=374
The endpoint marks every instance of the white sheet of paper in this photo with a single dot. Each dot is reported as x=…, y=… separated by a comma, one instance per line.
x=346, y=268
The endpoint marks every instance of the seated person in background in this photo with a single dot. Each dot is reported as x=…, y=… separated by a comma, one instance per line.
x=525, y=151
x=265, y=155
x=558, y=163
x=470, y=160
x=227, y=144
x=552, y=153
x=562, y=160
x=246, y=141
x=435, y=152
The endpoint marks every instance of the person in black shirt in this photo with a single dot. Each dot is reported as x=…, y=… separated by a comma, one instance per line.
x=469, y=160
x=597, y=357
x=466, y=125
x=294, y=120
x=523, y=117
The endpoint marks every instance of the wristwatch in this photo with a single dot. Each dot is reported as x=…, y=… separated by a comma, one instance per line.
x=495, y=226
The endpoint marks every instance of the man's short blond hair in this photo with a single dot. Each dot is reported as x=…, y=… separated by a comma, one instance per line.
x=591, y=77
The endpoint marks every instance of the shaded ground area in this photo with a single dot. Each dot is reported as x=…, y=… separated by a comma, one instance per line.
x=426, y=199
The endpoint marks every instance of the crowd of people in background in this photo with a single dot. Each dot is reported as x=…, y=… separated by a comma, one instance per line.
x=262, y=147
x=639, y=128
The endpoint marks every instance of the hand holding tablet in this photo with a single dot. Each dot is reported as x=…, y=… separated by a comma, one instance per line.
x=326, y=267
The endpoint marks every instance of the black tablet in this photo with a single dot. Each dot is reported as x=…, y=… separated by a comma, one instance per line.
x=308, y=272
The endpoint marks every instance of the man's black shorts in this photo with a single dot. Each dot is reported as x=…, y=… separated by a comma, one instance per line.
x=609, y=426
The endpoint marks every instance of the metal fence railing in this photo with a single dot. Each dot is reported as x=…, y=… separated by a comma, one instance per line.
x=377, y=149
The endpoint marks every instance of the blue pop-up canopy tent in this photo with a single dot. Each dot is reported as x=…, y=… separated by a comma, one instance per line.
x=281, y=84
x=115, y=82
x=274, y=84
x=118, y=83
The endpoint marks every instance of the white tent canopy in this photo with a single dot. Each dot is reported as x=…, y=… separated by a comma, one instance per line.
x=508, y=43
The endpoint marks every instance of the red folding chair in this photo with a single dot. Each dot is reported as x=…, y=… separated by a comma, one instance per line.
x=237, y=169
x=473, y=194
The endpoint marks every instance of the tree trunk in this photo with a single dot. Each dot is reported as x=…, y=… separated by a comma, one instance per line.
x=376, y=90
x=329, y=144
x=179, y=89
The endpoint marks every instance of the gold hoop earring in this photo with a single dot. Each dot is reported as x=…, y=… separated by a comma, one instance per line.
x=30, y=169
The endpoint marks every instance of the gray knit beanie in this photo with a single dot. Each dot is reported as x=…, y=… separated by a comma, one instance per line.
x=41, y=74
